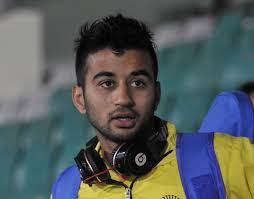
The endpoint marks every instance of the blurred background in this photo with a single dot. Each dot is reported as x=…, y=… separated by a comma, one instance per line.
x=204, y=47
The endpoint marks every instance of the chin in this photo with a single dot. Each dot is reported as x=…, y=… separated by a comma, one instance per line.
x=127, y=136
x=119, y=135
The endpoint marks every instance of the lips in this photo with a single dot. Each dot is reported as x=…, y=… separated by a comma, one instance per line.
x=124, y=119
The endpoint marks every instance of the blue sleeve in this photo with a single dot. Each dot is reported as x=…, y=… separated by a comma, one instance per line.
x=231, y=112
x=67, y=184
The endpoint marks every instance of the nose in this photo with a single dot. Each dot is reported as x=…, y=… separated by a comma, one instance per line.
x=123, y=96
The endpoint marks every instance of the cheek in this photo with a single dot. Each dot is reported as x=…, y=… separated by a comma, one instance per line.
x=97, y=104
x=145, y=100
x=94, y=97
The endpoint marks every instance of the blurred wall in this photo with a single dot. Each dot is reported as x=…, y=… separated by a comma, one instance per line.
x=21, y=52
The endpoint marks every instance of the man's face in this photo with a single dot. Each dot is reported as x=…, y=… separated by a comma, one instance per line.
x=120, y=93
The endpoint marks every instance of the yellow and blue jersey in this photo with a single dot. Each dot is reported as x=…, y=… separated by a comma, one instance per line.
x=236, y=162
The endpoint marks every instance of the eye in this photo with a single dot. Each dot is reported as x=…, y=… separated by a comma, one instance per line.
x=137, y=83
x=107, y=84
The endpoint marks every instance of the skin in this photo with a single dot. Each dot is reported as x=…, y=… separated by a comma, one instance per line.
x=119, y=97
x=252, y=97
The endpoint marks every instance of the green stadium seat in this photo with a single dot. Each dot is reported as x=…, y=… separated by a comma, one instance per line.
x=72, y=123
x=205, y=73
x=61, y=100
x=172, y=68
x=8, y=139
x=198, y=78
x=30, y=173
x=75, y=131
x=229, y=21
x=189, y=110
x=165, y=106
x=239, y=68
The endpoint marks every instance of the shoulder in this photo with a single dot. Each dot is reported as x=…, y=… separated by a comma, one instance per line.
x=70, y=177
x=227, y=141
x=68, y=173
x=241, y=148
x=236, y=159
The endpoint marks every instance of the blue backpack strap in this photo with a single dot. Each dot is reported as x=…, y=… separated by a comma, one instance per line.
x=198, y=166
x=67, y=184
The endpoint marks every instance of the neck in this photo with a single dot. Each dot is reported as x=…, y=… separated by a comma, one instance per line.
x=107, y=148
x=106, y=145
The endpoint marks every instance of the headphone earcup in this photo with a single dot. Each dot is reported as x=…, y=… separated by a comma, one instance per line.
x=90, y=164
x=95, y=161
x=132, y=159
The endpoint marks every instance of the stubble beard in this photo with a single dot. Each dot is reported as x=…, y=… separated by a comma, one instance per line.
x=113, y=136
x=118, y=137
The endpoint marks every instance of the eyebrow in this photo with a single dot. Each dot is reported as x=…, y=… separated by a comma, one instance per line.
x=141, y=72
x=134, y=73
x=102, y=74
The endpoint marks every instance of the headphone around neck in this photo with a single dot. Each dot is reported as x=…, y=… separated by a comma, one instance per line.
x=134, y=158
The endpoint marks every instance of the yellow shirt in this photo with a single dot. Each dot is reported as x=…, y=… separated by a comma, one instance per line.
x=163, y=182
x=235, y=157
x=236, y=160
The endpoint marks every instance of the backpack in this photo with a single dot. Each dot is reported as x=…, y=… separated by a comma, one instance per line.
x=197, y=163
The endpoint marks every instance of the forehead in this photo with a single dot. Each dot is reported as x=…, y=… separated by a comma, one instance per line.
x=124, y=63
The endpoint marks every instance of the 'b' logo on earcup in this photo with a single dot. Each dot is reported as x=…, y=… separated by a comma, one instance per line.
x=140, y=159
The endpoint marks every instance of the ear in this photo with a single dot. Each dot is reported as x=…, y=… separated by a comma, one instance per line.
x=78, y=99
x=157, y=94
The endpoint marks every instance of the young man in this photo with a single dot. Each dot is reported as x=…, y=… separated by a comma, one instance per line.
x=135, y=154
